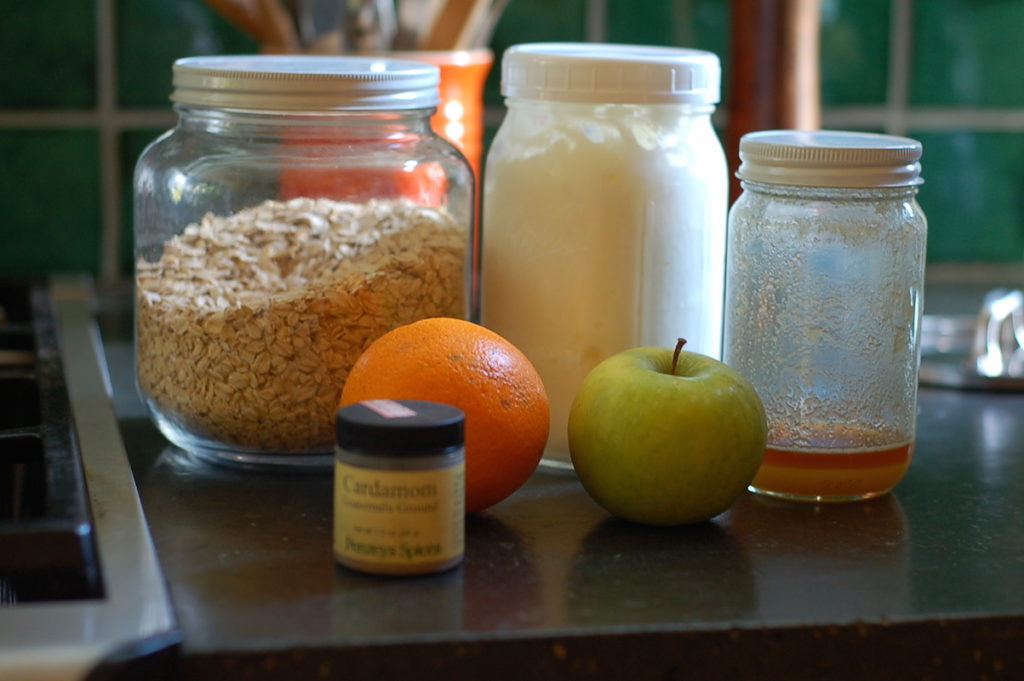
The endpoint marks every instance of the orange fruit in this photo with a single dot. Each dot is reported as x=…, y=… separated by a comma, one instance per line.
x=466, y=365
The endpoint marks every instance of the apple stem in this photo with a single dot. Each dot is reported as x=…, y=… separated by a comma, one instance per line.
x=680, y=342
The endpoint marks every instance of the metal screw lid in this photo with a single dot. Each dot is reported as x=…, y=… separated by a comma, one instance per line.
x=828, y=158
x=612, y=74
x=305, y=83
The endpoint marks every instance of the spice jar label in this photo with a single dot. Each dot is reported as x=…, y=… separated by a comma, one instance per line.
x=398, y=521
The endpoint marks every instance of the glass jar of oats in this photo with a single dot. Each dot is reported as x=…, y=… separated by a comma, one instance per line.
x=301, y=207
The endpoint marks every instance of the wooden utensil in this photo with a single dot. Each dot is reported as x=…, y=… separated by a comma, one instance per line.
x=455, y=25
x=266, y=21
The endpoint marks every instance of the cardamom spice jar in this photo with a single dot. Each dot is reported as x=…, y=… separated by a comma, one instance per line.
x=399, y=487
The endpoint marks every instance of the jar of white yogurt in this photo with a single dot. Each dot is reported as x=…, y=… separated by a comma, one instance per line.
x=604, y=210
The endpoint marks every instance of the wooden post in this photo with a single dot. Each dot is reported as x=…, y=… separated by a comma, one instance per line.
x=775, y=79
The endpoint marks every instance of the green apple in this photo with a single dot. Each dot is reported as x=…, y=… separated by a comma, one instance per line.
x=665, y=437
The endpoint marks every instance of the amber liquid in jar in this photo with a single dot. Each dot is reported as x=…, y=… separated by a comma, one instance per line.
x=850, y=463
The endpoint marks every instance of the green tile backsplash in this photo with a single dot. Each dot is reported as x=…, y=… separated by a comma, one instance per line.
x=962, y=95
x=160, y=32
x=51, y=198
x=702, y=24
x=972, y=194
x=968, y=53
x=854, y=52
x=48, y=51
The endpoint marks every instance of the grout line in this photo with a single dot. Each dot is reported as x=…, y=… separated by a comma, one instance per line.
x=596, y=21
x=933, y=118
x=898, y=87
x=65, y=118
x=951, y=119
x=110, y=158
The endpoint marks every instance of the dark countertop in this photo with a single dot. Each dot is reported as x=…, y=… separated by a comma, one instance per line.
x=924, y=583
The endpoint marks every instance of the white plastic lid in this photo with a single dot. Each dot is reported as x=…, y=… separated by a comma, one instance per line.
x=305, y=83
x=827, y=158
x=613, y=74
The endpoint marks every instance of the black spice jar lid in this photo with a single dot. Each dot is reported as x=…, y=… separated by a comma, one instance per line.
x=410, y=426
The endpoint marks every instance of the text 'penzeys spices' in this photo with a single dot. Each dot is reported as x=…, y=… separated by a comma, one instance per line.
x=399, y=487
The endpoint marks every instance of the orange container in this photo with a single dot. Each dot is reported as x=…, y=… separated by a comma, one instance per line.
x=460, y=117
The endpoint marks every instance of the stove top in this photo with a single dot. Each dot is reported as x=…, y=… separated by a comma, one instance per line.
x=81, y=593
x=46, y=528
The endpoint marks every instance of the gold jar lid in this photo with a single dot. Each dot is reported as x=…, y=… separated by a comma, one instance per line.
x=827, y=158
x=305, y=83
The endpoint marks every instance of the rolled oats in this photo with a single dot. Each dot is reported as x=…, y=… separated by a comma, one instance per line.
x=247, y=325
